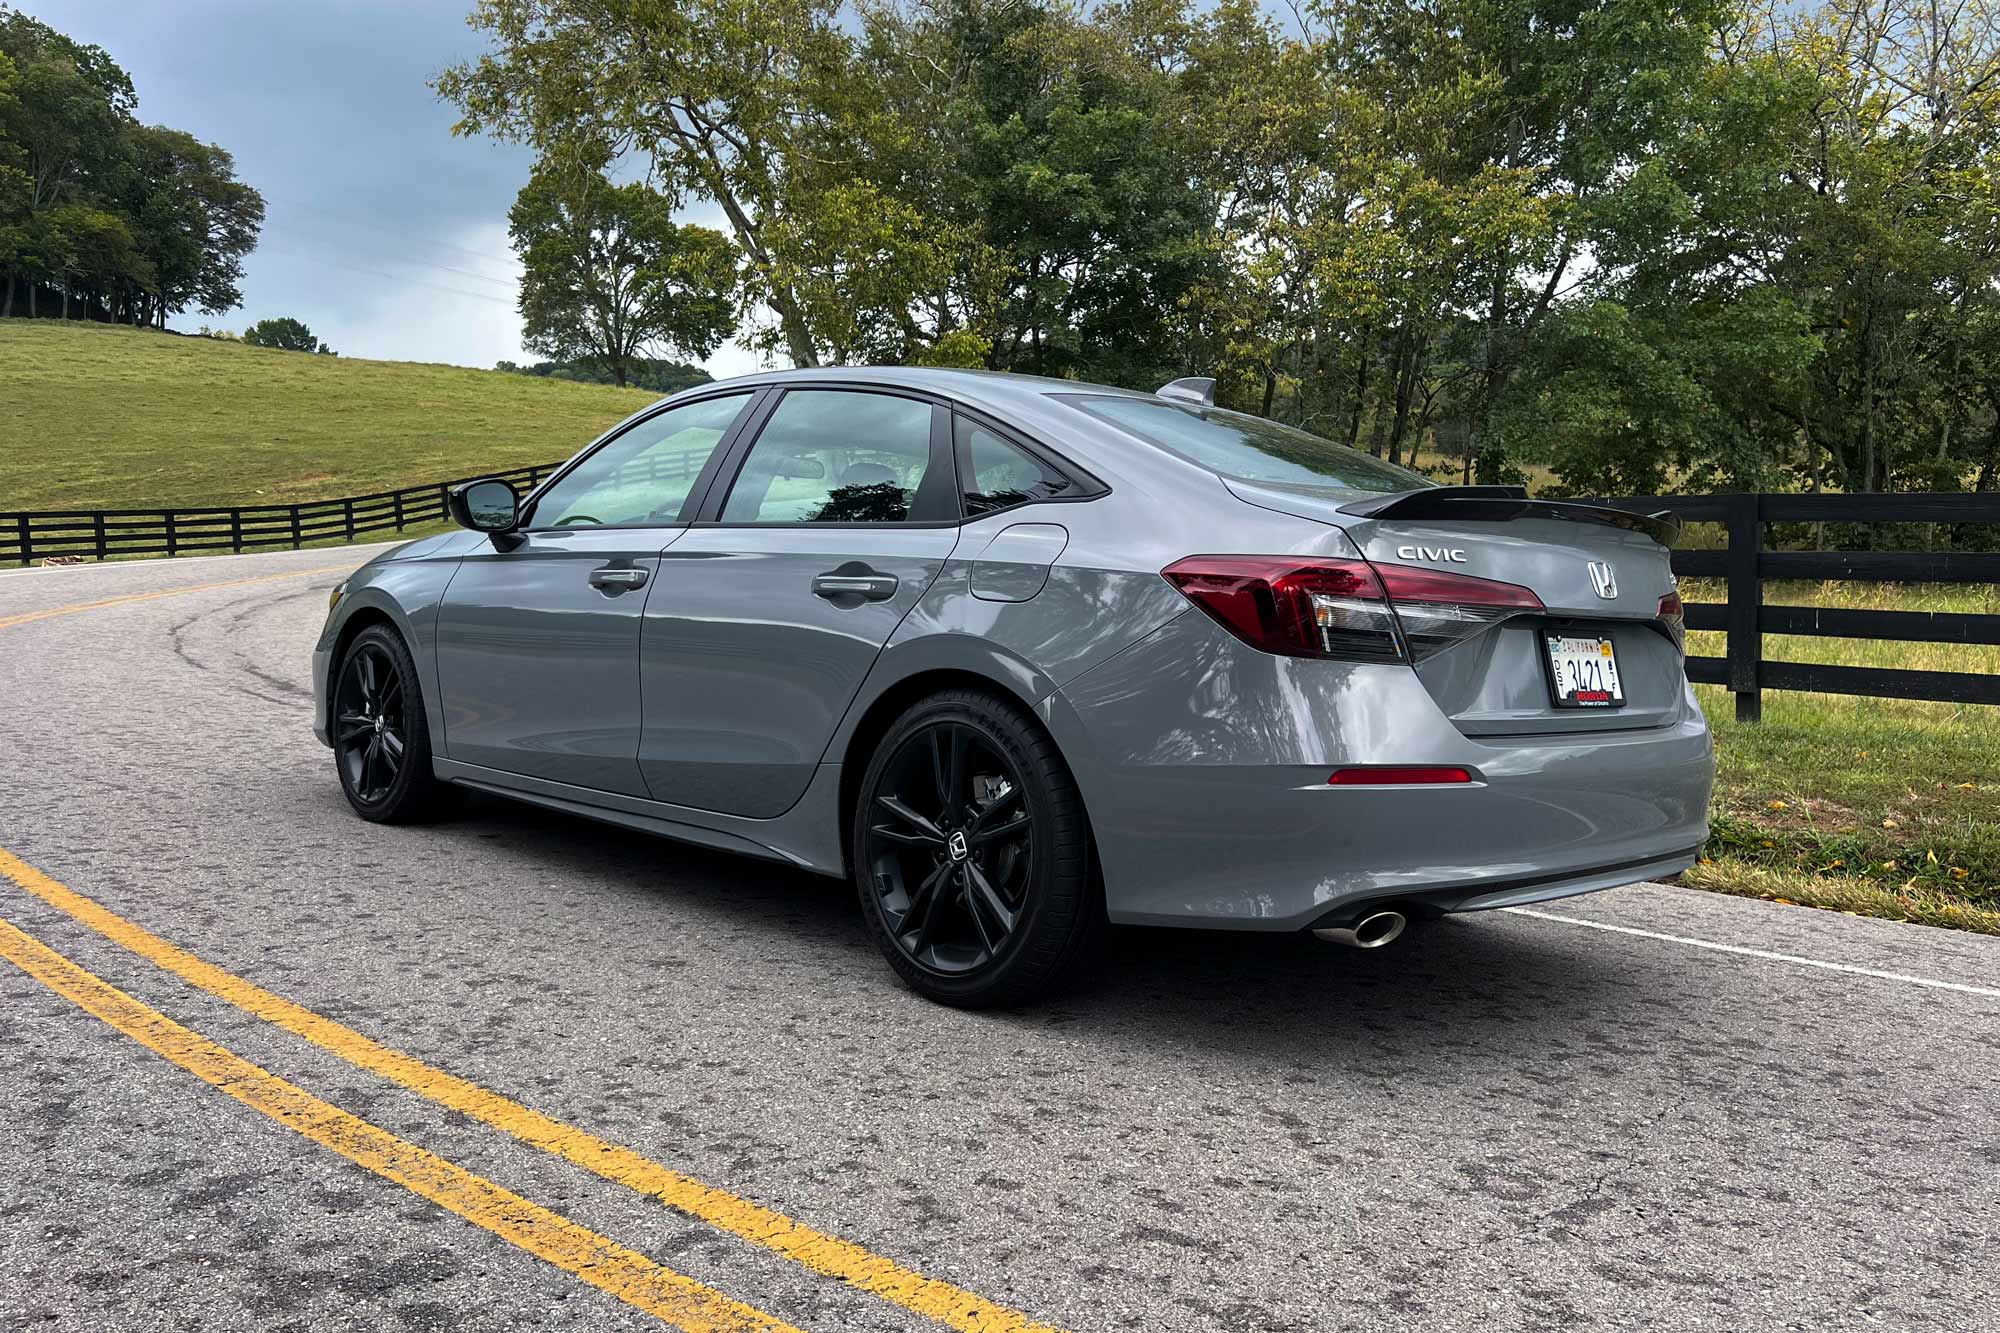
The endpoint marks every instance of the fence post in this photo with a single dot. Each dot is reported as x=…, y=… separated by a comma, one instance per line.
x=97, y=521
x=167, y=517
x=399, y=510
x=236, y=531
x=295, y=527
x=27, y=555
x=347, y=512
x=1746, y=600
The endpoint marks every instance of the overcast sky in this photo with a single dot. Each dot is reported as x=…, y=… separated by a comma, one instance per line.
x=384, y=233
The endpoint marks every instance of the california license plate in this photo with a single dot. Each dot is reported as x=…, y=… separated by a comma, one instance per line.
x=1583, y=671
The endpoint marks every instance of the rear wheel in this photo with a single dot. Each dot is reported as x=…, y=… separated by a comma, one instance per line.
x=972, y=856
x=381, y=739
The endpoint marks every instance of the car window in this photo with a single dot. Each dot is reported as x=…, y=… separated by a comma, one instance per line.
x=995, y=474
x=1236, y=444
x=835, y=456
x=644, y=475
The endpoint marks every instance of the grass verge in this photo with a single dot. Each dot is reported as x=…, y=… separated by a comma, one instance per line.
x=1881, y=807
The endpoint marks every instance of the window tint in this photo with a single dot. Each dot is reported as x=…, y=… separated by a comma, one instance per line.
x=644, y=475
x=834, y=456
x=1253, y=448
x=995, y=474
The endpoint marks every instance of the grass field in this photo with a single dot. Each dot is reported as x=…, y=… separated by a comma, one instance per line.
x=97, y=416
x=1878, y=806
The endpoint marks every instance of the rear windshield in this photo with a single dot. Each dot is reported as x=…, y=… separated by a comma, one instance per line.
x=1237, y=445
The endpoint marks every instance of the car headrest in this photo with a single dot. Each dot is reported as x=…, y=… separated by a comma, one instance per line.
x=868, y=474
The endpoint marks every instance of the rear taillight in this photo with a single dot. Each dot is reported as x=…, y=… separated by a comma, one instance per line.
x=1675, y=620
x=1438, y=609
x=1346, y=609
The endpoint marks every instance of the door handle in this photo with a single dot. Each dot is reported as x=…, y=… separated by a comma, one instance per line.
x=617, y=578
x=868, y=587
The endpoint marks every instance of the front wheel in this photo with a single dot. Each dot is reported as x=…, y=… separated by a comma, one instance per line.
x=972, y=854
x=381, y=739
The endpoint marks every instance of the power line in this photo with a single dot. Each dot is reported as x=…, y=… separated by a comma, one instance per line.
x=391, y=277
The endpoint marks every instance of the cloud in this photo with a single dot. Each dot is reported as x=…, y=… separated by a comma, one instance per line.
x=384, y=233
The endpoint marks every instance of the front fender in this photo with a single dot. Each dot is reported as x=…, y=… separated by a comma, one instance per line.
x=406, y=593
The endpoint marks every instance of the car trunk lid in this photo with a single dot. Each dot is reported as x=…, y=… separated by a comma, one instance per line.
x=1600, y=575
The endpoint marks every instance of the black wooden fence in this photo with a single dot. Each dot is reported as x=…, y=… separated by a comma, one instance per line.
x=1746, y=564
x=105, y=534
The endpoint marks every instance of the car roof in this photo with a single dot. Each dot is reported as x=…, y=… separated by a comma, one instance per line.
x=987, y=386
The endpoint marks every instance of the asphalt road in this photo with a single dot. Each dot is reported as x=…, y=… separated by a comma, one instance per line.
x=1505, y=1122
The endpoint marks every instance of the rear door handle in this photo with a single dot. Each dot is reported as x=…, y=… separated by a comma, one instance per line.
x=617, y=578
x=868, y=587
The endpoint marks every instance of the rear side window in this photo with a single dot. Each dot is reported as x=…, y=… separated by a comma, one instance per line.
x=840, y=456
x=1252, y=448
x=995, y=474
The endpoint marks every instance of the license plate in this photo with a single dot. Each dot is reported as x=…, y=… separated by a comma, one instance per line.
x=1583, y=671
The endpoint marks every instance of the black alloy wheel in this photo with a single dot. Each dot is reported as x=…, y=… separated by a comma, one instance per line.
x=952, y=848
x=972, y=858
x=368, y=723
x=381, y=743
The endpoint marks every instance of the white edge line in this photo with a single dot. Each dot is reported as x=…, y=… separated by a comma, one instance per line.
x=1931, y=982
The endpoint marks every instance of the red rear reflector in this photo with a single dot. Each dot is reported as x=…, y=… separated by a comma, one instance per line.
x=1395, y=777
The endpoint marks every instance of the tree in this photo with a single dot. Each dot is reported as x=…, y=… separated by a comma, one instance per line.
x=135, y=222
x=194, y=221
x=610, y=277
x=723, y=101
x=285, y=335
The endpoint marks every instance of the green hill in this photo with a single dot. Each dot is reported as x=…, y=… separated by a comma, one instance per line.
x=98, y=416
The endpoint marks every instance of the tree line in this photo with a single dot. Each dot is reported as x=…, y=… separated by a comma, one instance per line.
x=102, y=216
x=1634, y=243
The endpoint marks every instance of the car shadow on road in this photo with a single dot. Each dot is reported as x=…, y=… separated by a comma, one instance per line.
x=1462, y=989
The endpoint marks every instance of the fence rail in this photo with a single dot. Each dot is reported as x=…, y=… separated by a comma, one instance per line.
x=107, y=534
x=1746, y=564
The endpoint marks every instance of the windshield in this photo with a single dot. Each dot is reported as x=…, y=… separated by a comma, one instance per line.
x=1252, y=448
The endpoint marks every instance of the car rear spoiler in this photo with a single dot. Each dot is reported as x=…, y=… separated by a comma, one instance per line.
x=1499, y=503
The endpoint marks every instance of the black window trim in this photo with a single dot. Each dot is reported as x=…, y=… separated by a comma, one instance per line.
x=756, y=395
x=945, y=411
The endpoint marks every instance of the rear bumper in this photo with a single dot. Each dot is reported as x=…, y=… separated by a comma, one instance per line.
x=1204, y=766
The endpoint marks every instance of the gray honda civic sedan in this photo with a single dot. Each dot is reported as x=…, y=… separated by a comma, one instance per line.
x=1021, y=657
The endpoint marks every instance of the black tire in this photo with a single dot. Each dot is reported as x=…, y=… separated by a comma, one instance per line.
x=1011, y=910
x=381, y=738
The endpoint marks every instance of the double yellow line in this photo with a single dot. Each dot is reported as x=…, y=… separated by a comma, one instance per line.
x=629, y=1276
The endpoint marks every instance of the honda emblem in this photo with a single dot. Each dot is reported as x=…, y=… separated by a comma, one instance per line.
x=1604, y=578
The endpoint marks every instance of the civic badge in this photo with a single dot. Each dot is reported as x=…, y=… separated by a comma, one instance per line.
x=1604, y=578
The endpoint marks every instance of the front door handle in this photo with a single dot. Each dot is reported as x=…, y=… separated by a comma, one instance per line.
x=617, y=578
x=867, y=587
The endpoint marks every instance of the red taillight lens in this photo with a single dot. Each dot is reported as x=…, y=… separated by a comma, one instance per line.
x=1326, y=608
x=1342, y=608
x=1675, y=619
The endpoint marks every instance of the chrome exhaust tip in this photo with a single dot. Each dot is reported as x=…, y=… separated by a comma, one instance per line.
x=1370, y=932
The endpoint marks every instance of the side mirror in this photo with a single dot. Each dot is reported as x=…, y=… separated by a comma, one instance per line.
x=489, y=505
